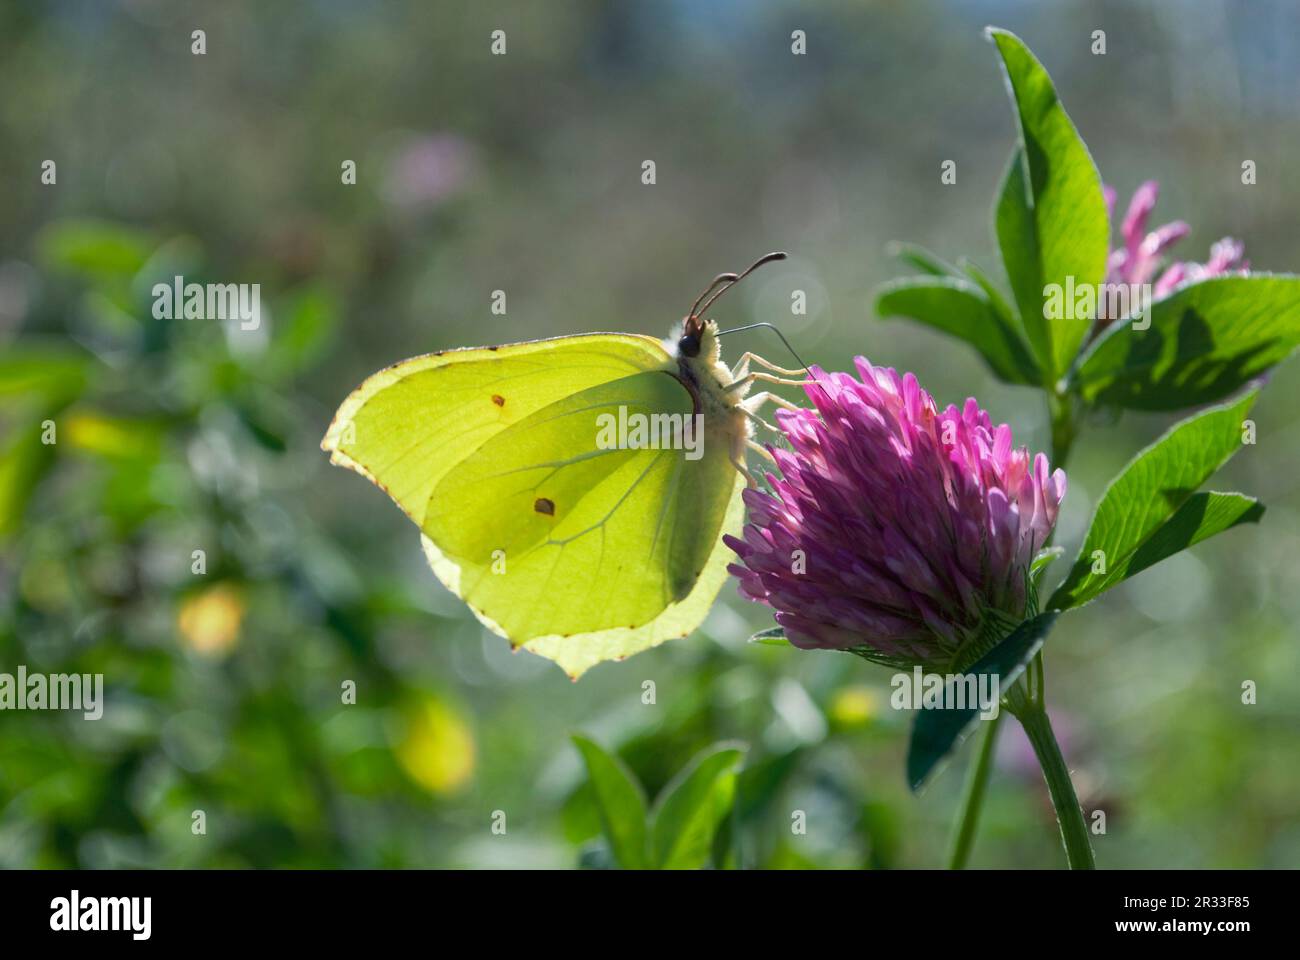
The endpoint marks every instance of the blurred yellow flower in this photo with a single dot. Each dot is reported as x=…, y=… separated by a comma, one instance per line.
x=854, y=706
x=437, y=747
x=209, y=620
x=110, y=436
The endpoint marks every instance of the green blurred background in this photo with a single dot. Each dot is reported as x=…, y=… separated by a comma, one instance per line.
x=522, y=173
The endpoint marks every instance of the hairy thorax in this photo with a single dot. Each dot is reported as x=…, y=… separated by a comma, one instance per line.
x=709, y=381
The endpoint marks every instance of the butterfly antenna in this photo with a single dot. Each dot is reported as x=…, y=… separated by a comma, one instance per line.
x=727, y=278
x=774, y=329
x=731, y=280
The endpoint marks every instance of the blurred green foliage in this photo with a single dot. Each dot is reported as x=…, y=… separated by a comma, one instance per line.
x=225, y=689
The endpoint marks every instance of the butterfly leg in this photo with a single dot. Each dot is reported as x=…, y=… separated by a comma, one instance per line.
x=738, y=461
x=761, y=450
x=747, y=358
x=751, y=378
x=750, y=407
x=739, y=443
x=739, y=464
x=767, y=396
x=759, y=420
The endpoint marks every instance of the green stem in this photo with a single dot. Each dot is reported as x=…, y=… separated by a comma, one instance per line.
x=1074, y=829
x=973, y=802
x=1061, y=412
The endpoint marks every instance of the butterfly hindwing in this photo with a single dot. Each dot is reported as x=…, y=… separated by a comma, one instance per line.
x=570, y=537
x=578, y=653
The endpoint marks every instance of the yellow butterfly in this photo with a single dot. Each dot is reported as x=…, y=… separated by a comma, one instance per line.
x=572, y=491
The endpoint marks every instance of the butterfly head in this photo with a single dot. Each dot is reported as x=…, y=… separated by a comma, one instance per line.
x=698, y=339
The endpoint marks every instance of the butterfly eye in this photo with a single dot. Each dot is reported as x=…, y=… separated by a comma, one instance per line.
x=689, y=345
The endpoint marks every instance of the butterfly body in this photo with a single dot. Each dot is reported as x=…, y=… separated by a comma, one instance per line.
x=718, y=395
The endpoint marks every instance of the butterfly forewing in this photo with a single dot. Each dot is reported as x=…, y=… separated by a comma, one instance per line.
x=406, y=426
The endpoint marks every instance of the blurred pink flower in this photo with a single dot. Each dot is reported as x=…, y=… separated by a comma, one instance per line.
x=1139, y=259
x=895, y=528
x=427, y=170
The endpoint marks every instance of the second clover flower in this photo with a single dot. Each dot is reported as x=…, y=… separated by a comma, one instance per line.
x=895, y=530
x=1142, y=254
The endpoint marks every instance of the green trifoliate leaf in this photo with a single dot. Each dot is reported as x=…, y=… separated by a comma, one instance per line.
x=1151, y=510
x=1197, y=345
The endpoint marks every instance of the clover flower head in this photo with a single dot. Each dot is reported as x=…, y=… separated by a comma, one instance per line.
x=895, y=530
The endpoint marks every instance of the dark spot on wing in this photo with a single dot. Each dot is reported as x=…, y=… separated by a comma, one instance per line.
x=542, y=505
x=499, y=400
x=494, y=349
